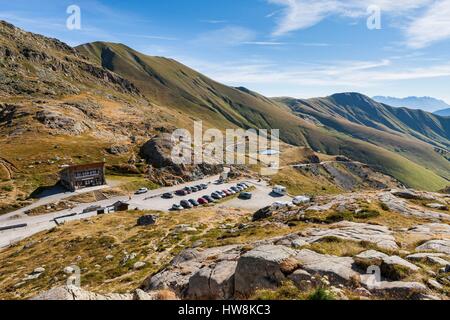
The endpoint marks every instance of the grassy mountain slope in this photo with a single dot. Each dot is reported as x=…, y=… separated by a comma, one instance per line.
x=60, y=105
x=359, y=117
x=169, y=83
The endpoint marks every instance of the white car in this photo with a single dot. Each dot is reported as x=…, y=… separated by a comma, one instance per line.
x=280, y=190
x=142, y=191
x=301, y=200
x=282, y=204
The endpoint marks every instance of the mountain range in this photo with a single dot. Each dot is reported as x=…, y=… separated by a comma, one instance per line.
x=424, y=103
x=78, y=101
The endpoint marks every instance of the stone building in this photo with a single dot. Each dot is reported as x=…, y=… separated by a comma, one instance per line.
x=83, y=176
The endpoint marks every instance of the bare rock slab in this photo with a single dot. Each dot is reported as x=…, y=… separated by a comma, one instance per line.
x=261, y=268
x=442, y=246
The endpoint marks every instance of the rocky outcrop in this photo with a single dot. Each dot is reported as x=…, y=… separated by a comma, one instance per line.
x=75, y=293
x=146, y=220
x=190, y=262
x=214, y=282
x=442, y=246
x=165, y=171
x=61, y=123
x=430, y=258
x=346, y=230
x=261, y=268
x=401, y=206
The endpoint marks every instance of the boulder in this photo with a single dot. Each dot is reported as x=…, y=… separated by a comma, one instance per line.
x=262, y=214
x=346, y=230
x=433, y=284
x=396, y=268
x=410, y=195
x=139, y=265
x=369, y=258
x=442, y=246
x=215, y=282
x=302, y=279
x=261, y=268
x=432, y=258
x=339, y=270
x=399, y=290
x=147, y=220
x=183, y=267
x=437, y=206
x=115, y=150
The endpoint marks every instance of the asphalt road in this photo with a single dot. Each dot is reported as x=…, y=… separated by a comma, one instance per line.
x=149, y=201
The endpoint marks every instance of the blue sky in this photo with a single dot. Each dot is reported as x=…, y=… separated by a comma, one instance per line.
x=299, y=48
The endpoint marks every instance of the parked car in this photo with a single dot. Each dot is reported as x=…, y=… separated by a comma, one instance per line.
x=194, y=202
x=194, y=189
x=301, y=200
x=142, y=191
x=222, y=194
x=240, y=189
x=216, y=196
x=186, y=204
x=202, y=201
x=245, y=196
x=243, y=185
x=204, y=186
x=280, y=190
x=168, y=195
x=181, y=193
x=228, y=193
x=235, y=189
x=177, y=207
x=188, y=190
x=231, y=191
x=209, y=199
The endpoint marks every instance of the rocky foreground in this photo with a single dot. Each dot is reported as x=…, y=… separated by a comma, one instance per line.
x=389, y=262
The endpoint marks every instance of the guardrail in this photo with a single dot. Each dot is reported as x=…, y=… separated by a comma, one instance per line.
x=17, y=226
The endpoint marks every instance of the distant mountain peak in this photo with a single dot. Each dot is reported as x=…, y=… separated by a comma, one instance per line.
x=426, y=103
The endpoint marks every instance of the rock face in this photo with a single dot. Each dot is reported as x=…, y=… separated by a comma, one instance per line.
x=190, y=262
x=442, y=246
x=262, y=214
x=396, y=268
x=339, y=270
x=215, y=282
x=261, y=268
x=61, y=123
x=379, y=235
x=401, y=206
x=76, y=293
x=399, y=290
x=431, y=258
x=163, y=170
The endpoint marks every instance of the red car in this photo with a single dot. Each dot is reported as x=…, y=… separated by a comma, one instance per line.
x=202, y=201
x=181, y=193
x=228, y=193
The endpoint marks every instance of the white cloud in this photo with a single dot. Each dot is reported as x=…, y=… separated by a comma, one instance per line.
x=227, y=36
x=348, y=73
x=432, y=26
x=420, y=31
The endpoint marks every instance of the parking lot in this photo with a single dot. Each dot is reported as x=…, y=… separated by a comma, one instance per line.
x=152, y=200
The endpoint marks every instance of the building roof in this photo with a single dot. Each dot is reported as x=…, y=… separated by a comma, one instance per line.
x=84, y=166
